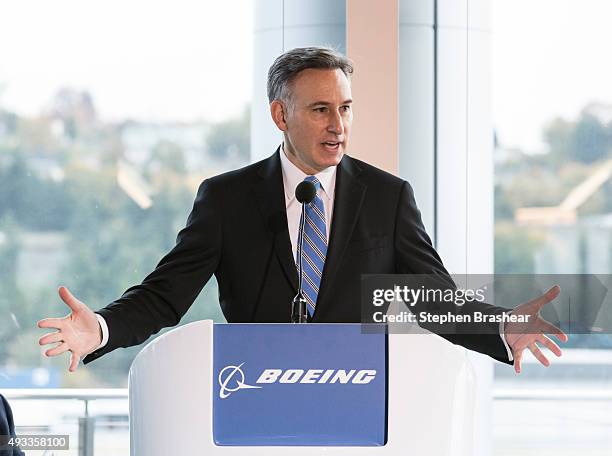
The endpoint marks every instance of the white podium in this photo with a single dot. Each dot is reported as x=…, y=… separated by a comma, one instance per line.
x=430, y=399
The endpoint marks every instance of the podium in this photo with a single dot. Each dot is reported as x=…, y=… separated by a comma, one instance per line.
x=313, y=389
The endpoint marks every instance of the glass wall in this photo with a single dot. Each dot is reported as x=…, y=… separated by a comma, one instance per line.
x=552, y=113
x=111, y=114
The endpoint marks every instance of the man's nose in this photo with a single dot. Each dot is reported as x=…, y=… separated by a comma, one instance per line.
x=335, y=123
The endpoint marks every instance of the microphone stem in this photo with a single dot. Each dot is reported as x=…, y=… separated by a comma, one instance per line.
x=299, y=311
x=300, y=245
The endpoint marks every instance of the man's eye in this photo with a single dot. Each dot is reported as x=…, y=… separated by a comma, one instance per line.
x=346, y=108
x=321, y=109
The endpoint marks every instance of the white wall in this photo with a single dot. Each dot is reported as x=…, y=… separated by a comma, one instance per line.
x=464, y=158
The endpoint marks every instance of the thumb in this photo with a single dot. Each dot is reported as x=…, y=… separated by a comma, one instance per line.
x=551, y=294
x=72, y=302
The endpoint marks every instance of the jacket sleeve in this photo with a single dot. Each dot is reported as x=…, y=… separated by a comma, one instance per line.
x=7, y=427
x=416, y=255
x=166, y=294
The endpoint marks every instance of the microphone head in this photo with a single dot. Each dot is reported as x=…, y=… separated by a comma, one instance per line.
x=305, y=192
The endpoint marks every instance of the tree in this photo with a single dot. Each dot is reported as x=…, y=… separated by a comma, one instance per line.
x=11, y=300
x=231, y=138
x=558, y=136
x=586, y=140
x=167, y=156
x=591, y=140
x=514, y=249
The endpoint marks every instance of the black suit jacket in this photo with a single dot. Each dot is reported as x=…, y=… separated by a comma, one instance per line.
x=238, y=231
x=7, y=427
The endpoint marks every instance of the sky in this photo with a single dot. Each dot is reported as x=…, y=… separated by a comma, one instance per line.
x=155, y=60
x=193, y=59
x=549, y=58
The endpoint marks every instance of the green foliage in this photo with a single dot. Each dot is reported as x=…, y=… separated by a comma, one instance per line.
x=11, y=299
x=586, y=140
x=111, y=242
x=231, y=138
x=504, y=209
x=35, y=203
x=514, y=249
x=167, y=156
x=539, y=185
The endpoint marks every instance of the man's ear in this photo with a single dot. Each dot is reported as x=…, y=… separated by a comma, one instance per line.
x=278, y=112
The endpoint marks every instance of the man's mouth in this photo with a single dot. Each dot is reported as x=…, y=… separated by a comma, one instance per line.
x=331, y=146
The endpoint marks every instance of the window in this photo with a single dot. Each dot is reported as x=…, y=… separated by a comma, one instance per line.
x=552, y=116
x=111, y=114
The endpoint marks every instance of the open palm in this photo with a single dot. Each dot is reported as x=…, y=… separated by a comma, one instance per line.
x=520, y=336
x=78, y=332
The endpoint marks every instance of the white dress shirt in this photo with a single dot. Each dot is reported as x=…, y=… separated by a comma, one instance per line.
x=292, y=176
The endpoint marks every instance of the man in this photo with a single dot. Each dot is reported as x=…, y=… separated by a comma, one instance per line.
x=7, y=429
x=244, y=226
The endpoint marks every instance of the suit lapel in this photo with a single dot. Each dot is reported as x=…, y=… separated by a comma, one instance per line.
x=270, y=195
x=348, y=199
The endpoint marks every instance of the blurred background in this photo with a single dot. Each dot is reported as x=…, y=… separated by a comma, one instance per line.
x=110, y=117
x=552, y=114
x=111, y=114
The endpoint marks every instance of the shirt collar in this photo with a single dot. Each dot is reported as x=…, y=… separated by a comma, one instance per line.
x=292, y=176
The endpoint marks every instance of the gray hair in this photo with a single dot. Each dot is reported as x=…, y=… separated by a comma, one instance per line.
x=287, y=66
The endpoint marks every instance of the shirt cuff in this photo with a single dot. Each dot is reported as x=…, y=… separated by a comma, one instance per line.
x=104, y=328
x=503, y=338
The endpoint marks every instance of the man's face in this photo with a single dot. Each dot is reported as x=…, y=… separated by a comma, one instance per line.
x=317, y=124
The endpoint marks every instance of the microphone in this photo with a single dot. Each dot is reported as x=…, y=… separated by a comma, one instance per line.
x=305, y=192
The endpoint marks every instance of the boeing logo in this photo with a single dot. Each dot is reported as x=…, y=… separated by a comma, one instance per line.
x=226, y=375
x=288, y=376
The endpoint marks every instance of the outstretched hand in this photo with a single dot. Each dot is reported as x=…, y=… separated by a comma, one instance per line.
x=527, y=335
x=79, y=332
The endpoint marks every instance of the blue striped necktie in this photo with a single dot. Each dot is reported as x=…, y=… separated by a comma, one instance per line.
x=314, y=247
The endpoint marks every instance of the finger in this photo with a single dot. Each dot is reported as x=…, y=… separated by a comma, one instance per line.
x=69, y=299
x=518, y=355
x=56, y=323
x=538, y=354
x=74, y=362
x=61, y=348
x=51, y=338
x=550, y=344
x=549, y=328
x=551, y=294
